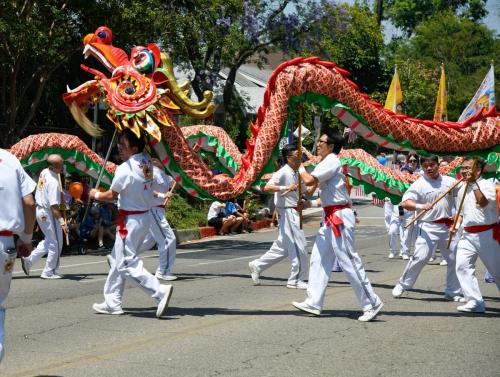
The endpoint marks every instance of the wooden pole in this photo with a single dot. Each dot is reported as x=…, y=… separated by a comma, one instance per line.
x=101, y=173
x=460, y=205
x=432, y=204
x=63, y=208
x=170, y=192
x=299, y=179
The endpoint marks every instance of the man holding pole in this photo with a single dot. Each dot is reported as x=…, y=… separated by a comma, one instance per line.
x=480, y=236
x=335, y=238
x=50, y=220
x=160, y=232
x=132, y=187
x=291, y=240
x=433, y=194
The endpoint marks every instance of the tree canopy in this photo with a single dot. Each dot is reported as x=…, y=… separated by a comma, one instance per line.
x=408, y=14
x=464, y=47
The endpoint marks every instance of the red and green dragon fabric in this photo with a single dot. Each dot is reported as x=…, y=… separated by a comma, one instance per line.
x=142, y=94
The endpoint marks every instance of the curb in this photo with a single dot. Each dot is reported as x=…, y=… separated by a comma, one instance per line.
x=186, y=235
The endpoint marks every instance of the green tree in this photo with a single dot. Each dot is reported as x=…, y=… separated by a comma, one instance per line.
x=464, y=47
x=408, y=14
x=351, y=37
x=208, y=36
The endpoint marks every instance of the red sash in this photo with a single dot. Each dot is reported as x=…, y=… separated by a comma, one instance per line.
x=484, y=228
x=122, y=229
x=161, y=206
x=5, y=233
x=444, y=220
x=332, y=220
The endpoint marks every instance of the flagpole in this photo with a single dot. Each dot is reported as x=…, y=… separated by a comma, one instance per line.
x=395, y=99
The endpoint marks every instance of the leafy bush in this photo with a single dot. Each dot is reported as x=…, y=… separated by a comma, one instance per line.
x=182, y=215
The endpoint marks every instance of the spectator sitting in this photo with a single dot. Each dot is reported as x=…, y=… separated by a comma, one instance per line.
x=242, y=213
x=90, y=227
x=216, y=218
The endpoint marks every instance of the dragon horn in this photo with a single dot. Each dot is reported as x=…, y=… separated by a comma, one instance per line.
x=91, y=128
x=197, y=110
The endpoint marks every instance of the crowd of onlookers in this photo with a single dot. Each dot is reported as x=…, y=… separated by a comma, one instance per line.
x=229, y=218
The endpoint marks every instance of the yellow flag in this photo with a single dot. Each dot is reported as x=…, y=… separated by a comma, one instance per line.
x=395, y=94
x=441, y=113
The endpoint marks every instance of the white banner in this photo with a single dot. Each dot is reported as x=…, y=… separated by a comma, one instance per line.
x=484, y=97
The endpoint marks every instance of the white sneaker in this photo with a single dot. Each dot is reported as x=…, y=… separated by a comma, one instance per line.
x=166, y=277
x=51, y=277
x=298, y=285
x=306, y=307
x=443, y=263
x=472, y=307
x=26, y=265
x=455, y=298
x=371, y=313
x=102, y=308
x=254, y=273
x=431, y=259
x=391, y=255
x=163, y=305
x=397, y=291
x=405, y=256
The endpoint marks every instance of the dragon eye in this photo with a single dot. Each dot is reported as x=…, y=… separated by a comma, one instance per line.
x=129, y=90
x=143, y=61
x=102, y=34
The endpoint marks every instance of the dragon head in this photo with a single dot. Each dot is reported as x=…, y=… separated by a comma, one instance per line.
x=142, y=92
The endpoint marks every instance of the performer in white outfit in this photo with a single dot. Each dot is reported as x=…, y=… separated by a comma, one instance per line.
x=50, y=219
x=388, y=208
x=480, y=236
x=336, y=235
x=398, y=233
x=432, y=228
x=132, y=186
x=160, y=232
x=17, y=216
x=291, y=240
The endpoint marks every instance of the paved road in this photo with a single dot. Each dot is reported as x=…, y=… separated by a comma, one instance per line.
x=221, y=325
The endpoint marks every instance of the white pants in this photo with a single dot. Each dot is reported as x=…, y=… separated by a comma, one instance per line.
x=125, y=263
x=291, y=242
x=397, y=232
x=430, y=236
x=162, y=234
x=6, y=266
x=388, y=206
x=471, y=246
x=325, y=248
x=52, y=243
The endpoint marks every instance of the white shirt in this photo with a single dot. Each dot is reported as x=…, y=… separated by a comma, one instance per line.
x=285, y=176
x=333, y=190
x=214, y=210
x=48, y=192
x=473, y=215
x=162, y=183
x=133, y=180
x=426, y=190
x=14, y=185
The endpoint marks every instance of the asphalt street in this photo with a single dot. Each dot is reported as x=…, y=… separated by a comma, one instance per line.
x=219, y=324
